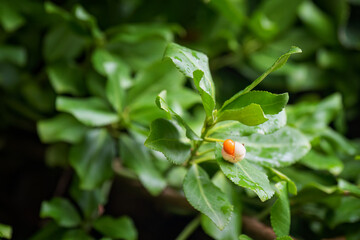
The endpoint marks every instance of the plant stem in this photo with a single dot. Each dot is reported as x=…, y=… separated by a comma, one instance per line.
x=203, y=159
x=213, y=139
x=189, y=229
x=205, y=152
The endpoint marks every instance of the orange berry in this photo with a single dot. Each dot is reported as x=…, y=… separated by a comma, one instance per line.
x=229, y=146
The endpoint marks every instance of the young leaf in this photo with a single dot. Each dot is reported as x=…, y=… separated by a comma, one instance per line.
x=250, y=115
x=92, y=111
x=162, y=104
x=281, y=148
x=164, y=137
x=246, y=175
x=63, y=127
x=62, y=211
x=234, y=128
x=270, y=104
x=278, y=64
x=195, y=65
x=117, y=228
x=318, y=161
x=233, y=229
x=137, y=158
x=280, y=211
x=204, y=196
x=5, y=231
x=92, y=158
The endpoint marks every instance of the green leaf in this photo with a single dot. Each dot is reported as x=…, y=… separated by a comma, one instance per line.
x=92, y=158
x=318, y=22
x=62, y=211
x=281, y=148
x=278, y=64
x=348, y=211
x=268, y=19
x=284, y=238
x=10, y=17
x=89, y=200
x=279, y=176
x=66, y=78
x=13, y=54
x=93, y=111
x=250, y=115
x=164, y=137
x=319, y=161
x=62, y=43
x=234, y=128
x=195, y=65
x=233, y=10
x=280, y=211
x=204, y=196
x=244, y=237
x=57, y=155
x=315, y=117
x=63, y=127
x=270, y=103
x=117, y=228
x=5, y=231
x=162, y=104
x=175, y=176
x=137, y=158
x=118, y=74
x=349, y=187
x=245, y=174
x=76, y=234
x=233, y=228
x=50, y=231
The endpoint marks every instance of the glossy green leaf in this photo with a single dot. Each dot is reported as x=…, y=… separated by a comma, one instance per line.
x=195, y=65
x=234, y=128
x=62, y=211
x=90, y=21
x=319, y=161
x=137, y=158
x=278, y=64
x=233, y=228
x=117, y=228
x=165, y=137
x=280, y=211
x=162, y=104
x=348, y=211
x=5, y=231
x=245, y=174
x=349, y=187
x=250, y=115
x=92, y=159
x=281, y=148
x=204, y=196
x=270, y=103
x=66, y=78
x=63, y=127
x=93, y=111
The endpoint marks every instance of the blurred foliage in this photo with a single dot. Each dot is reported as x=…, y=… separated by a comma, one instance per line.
x=87, y=74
